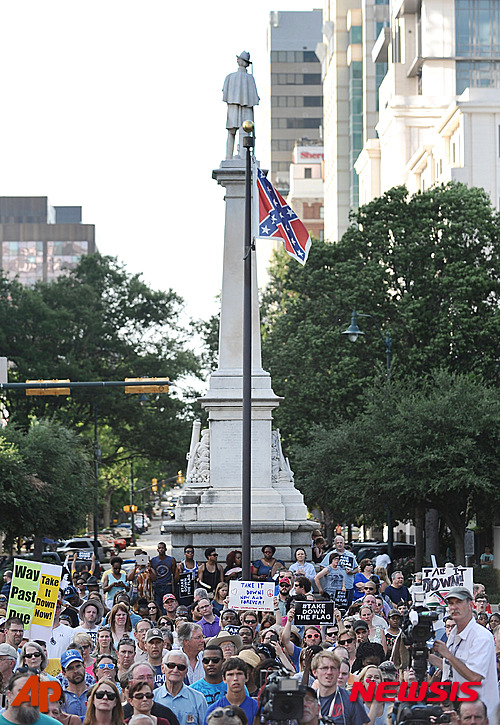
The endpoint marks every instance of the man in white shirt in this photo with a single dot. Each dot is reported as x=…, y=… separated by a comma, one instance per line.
x=469, y=653
x=383, y=559
x=61, y=636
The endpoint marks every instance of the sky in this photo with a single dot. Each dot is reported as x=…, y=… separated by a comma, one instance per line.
x=116, y=106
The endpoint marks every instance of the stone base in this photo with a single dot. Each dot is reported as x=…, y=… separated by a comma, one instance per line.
x=286, y=536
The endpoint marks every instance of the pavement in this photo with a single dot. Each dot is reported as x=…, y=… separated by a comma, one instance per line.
x=149, y=541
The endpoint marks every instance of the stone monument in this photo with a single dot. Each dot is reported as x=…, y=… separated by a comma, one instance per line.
x=209, y=510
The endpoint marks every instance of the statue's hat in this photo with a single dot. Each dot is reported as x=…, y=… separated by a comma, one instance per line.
x=245, y=55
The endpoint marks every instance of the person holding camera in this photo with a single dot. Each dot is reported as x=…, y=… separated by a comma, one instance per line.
x=469, y=653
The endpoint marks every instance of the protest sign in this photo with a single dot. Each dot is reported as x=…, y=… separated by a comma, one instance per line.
x=252, y=595
x=342, y=600
x=85, y=555
x=186, y=585
x=437, y=581
x=33, y=593
x=314, y=613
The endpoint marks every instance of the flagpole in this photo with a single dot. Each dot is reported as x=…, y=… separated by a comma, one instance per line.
x=246, y=493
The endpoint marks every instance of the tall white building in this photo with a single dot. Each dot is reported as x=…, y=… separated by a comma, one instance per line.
x=438, y=116
x=350, y=83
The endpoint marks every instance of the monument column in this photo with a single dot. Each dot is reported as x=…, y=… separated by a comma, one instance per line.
x=209, y=510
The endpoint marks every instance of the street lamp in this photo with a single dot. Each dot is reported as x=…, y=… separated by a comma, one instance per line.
x=353, y=332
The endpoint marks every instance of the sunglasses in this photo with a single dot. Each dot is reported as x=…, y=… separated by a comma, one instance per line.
x=30, y=655
x=250, y=621
x=332, y=633
x=207, y=660
x=142, y=695
x=347, y=641
x=173, y=665
x=370, y=589
x=312, y=635
x=105, y=693
x=223, y=711
x=189, y=551
x=106, y=666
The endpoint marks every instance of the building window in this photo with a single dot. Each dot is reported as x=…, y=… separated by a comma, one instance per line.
x=308, y=172
x=356, y=35
x=477, y=74
x=312, y=79
x=313, y=101
x=303, y=122
x=477, y=27
x=24, y=259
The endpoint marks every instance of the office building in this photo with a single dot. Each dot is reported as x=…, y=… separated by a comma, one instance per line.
x=38, y=241
x=411, y=96
x=306, y=187
x=350, y=84
x=296, y=87
x=439, y=117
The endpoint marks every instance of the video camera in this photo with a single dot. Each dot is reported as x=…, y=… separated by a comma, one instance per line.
x=416, y=635
x=418, y=714
x=282, y=698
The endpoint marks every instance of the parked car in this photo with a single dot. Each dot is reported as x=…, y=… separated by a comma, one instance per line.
x=48, y=557
x=123, y=531
x=80, y=544
x=371, y=549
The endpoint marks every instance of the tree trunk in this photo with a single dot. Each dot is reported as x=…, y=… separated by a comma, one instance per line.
x=457, y=528
x=419, y=536
x=37, y=547
x=106, y=513
x=328, y=525
x=432, y=534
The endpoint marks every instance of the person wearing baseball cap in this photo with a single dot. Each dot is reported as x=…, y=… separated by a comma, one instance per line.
x=154, y=648
x=469, y=653
x=76, y=691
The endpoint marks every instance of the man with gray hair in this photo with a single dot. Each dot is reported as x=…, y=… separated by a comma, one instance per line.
x=397, y=592
x=469, y=653
x=191, y=641
x=189, y=705
x=199, y=593
x=144, y=672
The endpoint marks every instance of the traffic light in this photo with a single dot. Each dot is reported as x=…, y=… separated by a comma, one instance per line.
x=162, y=386
x=180, y=477
x=154, y=485
x=48, y=391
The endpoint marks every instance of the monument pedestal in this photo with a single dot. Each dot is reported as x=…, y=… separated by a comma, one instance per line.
x=209, y=511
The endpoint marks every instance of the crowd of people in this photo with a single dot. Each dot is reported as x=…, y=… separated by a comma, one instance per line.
x=160, y=645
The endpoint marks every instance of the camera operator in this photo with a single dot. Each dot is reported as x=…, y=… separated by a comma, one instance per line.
x=312, y=711
x=469, y=654
x=334, y=700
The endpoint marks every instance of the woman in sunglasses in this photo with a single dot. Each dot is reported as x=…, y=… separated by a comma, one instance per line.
x=106, y=668
x=32, y=655
x=84, y=642
x=140, y=696
x=103, y=705
x=154, y=613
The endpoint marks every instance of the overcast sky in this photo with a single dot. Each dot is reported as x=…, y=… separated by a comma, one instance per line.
x=116, y=106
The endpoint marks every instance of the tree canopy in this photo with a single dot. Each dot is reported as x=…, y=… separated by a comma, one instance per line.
x=426, y=267
x=101, y=323
x=45, y=481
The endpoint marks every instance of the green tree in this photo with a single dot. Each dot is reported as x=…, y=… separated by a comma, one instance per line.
x=101, y=323
x=425, y=266
x=53, y=490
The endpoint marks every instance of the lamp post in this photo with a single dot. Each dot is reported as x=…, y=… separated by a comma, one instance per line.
x=353, y=332
x=246, y=492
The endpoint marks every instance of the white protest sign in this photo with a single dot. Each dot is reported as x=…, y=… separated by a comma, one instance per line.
x=252, y=595
x=437, y=581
